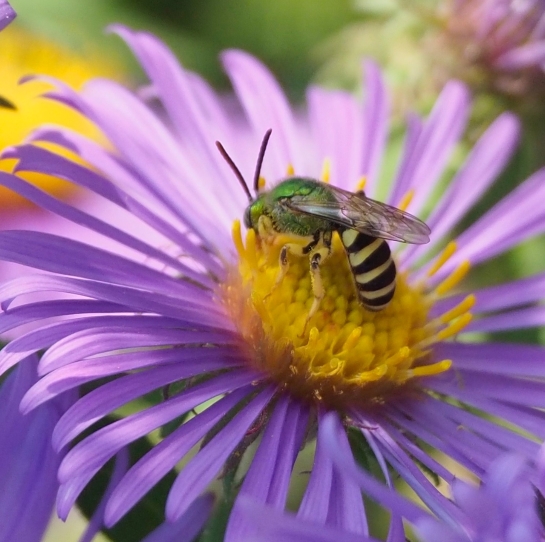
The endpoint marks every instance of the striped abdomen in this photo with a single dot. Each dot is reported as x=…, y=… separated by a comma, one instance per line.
x=372, y=266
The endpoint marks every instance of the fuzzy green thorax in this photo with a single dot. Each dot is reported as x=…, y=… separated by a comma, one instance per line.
x=273, y=204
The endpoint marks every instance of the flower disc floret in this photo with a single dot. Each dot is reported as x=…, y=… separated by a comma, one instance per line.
x=344, y=355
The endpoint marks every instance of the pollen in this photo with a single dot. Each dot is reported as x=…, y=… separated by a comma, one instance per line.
x=344, y=355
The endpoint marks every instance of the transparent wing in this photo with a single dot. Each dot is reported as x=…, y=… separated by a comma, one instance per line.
x=357, y=211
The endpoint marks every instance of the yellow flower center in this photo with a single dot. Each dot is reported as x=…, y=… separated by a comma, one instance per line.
x=344, y=355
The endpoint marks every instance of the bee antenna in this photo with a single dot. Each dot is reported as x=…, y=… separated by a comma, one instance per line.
x=260, y=157
x=235, y=169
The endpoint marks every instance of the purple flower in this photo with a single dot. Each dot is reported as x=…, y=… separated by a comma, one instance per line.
x=7, y=14
x=504, y=36
x=184, y=307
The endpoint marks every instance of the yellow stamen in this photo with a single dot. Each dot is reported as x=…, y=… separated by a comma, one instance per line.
x=454, y=278
x=406, y=200
x=433, y=369
x=360, y=185
x=326, y=170
x=236, y=234
x=459, y=309
x=455, y=327
x=290, y=170
x=449, y=250
x=342, y=355
x=261, y=184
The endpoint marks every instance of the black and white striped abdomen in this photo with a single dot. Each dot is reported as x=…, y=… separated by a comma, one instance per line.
x=372, y=266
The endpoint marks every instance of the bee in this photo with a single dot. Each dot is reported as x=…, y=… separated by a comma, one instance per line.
x=311, y=210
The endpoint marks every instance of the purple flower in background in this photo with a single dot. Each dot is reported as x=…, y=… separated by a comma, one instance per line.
x=190, y=305
x=502, y=509
x=504, y=36
x=7, y=14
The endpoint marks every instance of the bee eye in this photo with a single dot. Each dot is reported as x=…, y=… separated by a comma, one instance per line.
x=248, y=217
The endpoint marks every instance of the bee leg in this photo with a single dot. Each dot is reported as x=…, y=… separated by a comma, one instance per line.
x=317, y=258
x=265, y=232
x=296, y=250
x=284, y=264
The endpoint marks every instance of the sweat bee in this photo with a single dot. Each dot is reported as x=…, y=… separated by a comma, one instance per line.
x=311, y=211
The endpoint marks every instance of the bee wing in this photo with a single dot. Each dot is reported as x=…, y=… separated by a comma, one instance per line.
x=356, y=211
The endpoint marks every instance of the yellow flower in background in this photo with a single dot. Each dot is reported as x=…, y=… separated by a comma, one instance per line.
x=21, y=54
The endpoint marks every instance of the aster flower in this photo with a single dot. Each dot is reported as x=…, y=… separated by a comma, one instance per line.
x=504, y=39
x=201, y=315
x=7, y=14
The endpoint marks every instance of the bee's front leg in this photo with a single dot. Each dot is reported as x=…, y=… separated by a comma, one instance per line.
x=283, y=261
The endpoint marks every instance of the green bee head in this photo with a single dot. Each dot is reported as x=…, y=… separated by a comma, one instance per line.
x=255, y=209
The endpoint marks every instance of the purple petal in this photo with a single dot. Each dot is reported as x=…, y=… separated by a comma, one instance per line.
x=188, y=360
x=513, y=219
x=112, y=395
x=24, y=314
x=202, y=468
x=531, y=54
x=86, y=458
x=97, y=520
x=164, y=456
x=127, y=334
x=132, y=300
x=267, y=479
x=31, y=158
x=495, y=358
x=28, y=469
x=187, y=526
x=339, y=451
x=316, y=500
x=266, y=107
x=7, y=14
x=65, y=256
x=441, y=132
x=413, y=476
x=375, y=131
x=519, y=319
x=481, y=168
x=335, y=120
x=268, y=525
x=181, y=93
x=516, y=390
x=44, y=200
x=396, y=531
